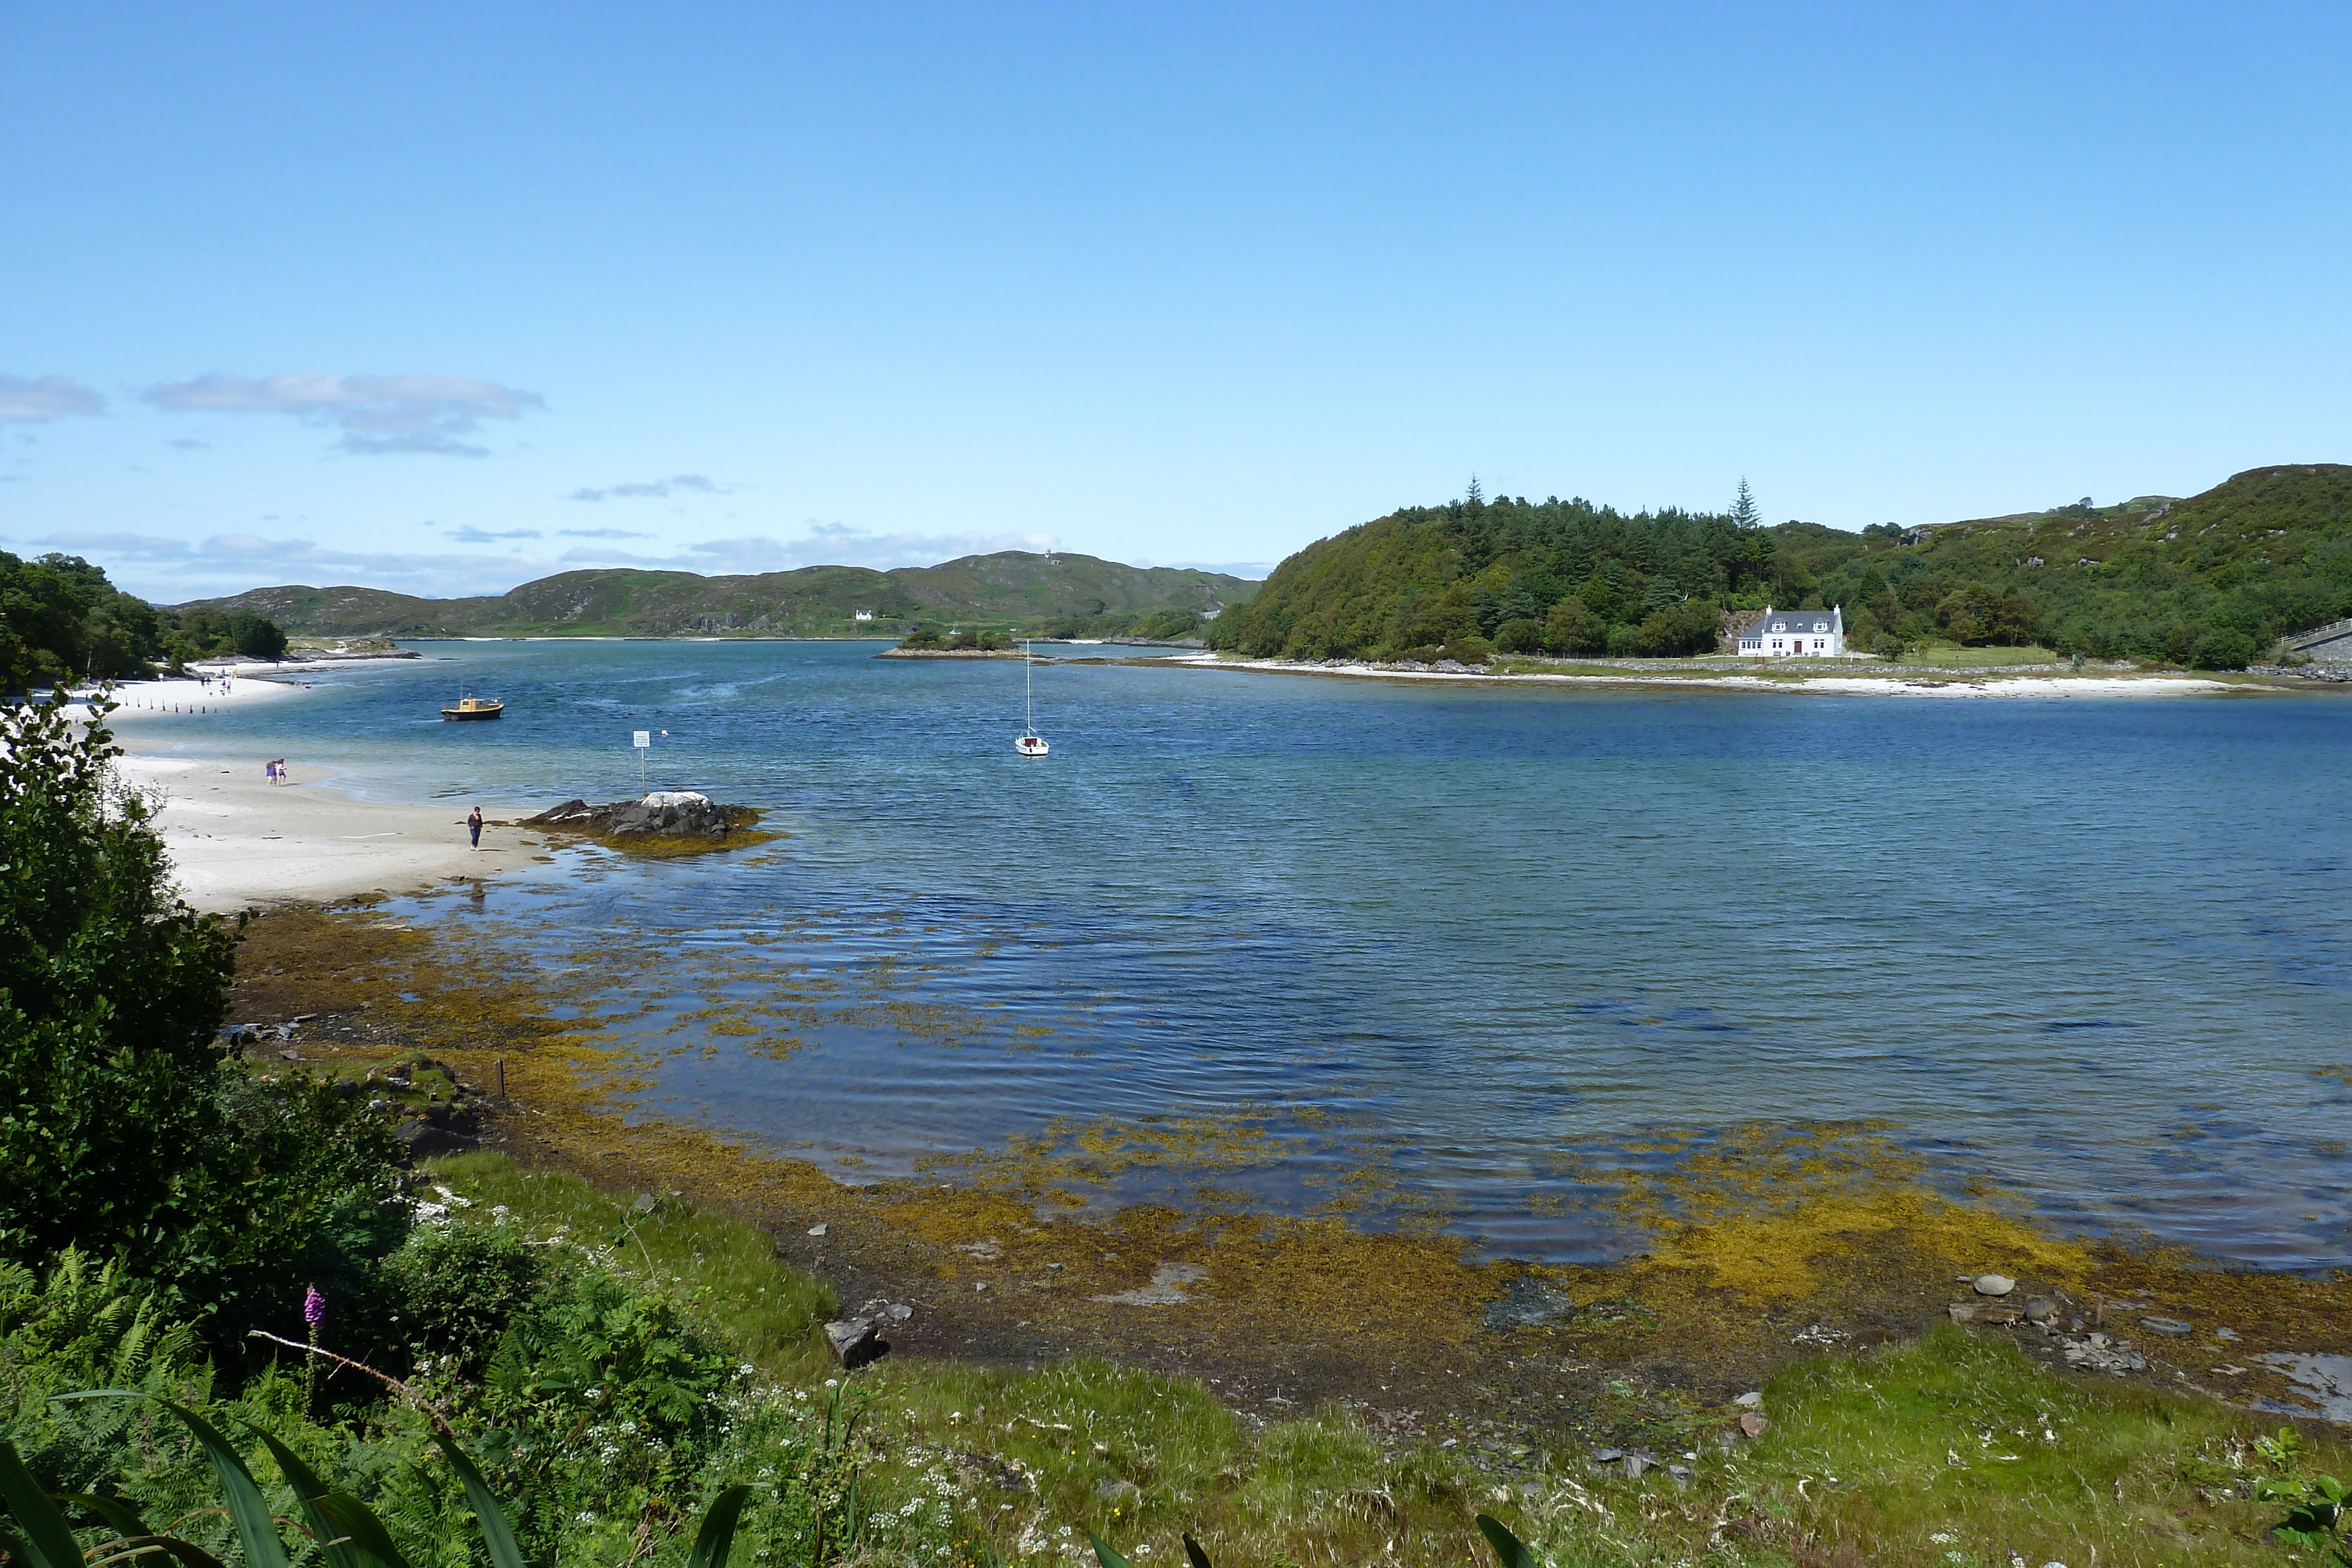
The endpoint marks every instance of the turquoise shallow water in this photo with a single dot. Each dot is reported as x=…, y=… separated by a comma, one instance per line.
x=2096, y=951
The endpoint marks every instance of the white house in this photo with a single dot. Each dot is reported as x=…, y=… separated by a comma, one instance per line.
x=865, y=614
x=1788, y=634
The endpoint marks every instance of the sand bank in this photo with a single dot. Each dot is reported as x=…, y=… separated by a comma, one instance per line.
x=237, y=841
x=1923, y=683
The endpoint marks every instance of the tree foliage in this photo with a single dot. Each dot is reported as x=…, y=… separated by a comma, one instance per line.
x=1499, y=573
x=61, y=619
x=123, y=1128
x=2211, y=581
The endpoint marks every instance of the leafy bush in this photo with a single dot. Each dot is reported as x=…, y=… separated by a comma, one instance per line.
x=2224, y=648
x=1471, y=650
x=122, y=1126
x=1524, y=635
x=455, y=1289
x=1678, y=631
x=1571, y=629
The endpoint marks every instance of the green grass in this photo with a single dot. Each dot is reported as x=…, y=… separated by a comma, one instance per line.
x=1951, y=1451
x=1954, y=1451
x=724, y=1272
x=1952, y=656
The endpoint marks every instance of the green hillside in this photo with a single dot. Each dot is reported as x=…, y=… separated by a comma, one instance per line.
x=2209, y=582
x=1011, y=590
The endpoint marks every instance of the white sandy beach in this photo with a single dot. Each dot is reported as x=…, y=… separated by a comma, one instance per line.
x=1793, y=682
x=237, y=841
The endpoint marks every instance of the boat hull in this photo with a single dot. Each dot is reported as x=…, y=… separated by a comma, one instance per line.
x=459, y=716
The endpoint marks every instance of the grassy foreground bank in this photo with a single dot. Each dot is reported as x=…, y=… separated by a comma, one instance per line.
x=1946, y=1451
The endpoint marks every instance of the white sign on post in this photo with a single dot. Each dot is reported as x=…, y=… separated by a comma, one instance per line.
x=642, y=741
x=645, y=739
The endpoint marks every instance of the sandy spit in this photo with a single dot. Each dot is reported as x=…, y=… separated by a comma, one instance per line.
x=238, y=842
x=1925, y=685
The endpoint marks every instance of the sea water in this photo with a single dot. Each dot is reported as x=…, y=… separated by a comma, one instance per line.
x=2095, y=953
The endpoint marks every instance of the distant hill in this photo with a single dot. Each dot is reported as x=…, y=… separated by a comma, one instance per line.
x=1011, y=590
x=2209, y=581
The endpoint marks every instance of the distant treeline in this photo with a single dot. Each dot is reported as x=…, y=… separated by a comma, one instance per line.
x=60, y=619
x=2211, y=581
x=1167, y=624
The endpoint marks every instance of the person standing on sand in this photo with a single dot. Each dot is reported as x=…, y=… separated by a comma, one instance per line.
x=474, y=826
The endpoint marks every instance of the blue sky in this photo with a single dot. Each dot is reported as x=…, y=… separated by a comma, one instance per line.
x=444, y=298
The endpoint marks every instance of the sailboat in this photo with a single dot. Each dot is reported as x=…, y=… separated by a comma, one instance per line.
x=1031, y=743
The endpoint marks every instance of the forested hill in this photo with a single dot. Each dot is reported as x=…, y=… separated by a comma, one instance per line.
x=60, y=619
x=1011, y=587
x=2209, y=581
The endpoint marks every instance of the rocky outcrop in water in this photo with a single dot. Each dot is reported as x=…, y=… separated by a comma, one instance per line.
x=665, y=814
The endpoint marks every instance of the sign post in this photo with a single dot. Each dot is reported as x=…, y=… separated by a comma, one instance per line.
x=644, y=742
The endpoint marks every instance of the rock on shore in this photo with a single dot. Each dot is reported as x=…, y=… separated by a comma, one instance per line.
x=663, y=815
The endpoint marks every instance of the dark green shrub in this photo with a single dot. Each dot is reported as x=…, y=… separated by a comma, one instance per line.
x=2224, y=648
x=456, y=1288
x=1677, y=631
x=1520, y=636
x=123, y=1128
x=1572, y=628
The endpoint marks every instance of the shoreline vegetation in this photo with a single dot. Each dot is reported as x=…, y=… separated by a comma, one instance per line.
x=2211, y=582
x=1820, y=677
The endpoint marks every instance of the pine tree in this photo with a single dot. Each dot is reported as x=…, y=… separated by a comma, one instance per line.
x=1475, y=494
x=1743, y=510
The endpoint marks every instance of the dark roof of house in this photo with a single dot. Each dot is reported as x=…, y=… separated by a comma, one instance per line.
x=1790, y=621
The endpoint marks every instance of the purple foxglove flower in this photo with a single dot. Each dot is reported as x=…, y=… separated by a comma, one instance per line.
x=314, y=1307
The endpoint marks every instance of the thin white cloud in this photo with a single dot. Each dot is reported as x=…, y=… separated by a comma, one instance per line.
x=27, y=398
x=467, y=533
x=377, y=414
x=826, y=544
x=602, y=534
x=696, y=484
x=1251, y=570
x=189, y=443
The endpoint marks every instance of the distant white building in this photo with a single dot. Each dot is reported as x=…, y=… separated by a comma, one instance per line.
x=1792, y=633
x=865, y=614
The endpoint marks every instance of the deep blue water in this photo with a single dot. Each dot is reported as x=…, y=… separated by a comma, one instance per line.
x=2096, y=951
